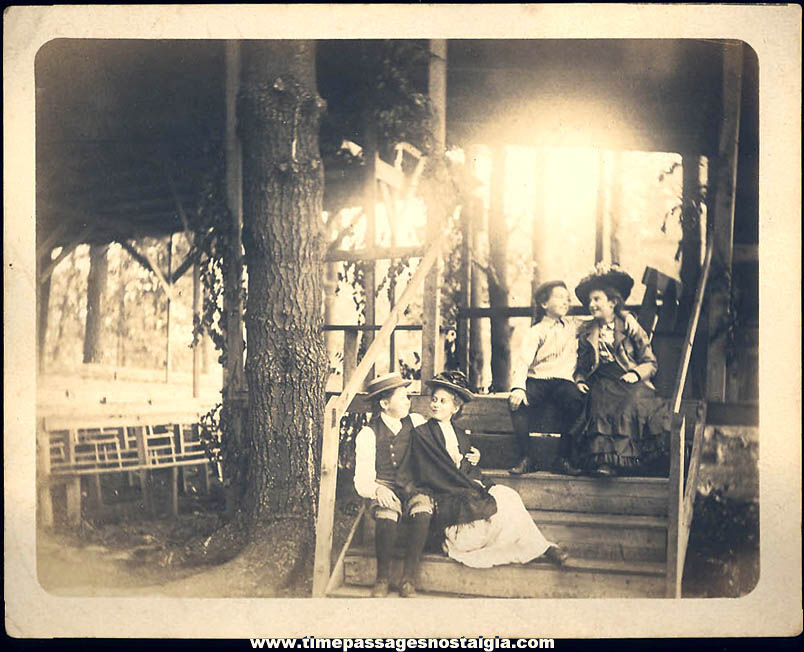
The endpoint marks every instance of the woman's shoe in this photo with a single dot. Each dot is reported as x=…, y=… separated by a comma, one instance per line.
x=524, y=466
x=564, y=467
x=604, y=471
x=556, y=555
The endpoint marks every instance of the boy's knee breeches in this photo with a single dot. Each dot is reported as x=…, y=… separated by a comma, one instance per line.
x=408, y=506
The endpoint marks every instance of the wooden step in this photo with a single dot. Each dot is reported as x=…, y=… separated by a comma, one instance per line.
x=588, y=536
x=539, y=579
x=605, y=536
x=549, y=491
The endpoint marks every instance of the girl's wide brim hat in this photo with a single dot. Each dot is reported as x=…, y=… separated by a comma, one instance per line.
x=604, y=276
x=385, y=382
x=454, y=381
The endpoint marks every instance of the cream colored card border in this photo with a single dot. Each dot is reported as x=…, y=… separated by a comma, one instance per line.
x=773, y=608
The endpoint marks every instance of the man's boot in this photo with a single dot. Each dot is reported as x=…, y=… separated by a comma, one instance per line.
x=417, y=536
x=384, y=535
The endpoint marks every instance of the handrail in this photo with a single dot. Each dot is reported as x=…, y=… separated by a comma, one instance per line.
x=679, y=510
x=335, y=409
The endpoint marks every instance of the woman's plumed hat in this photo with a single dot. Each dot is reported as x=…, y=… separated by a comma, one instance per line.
x=385, y=382
x=542, y=292
x=604, y=276
x=454, y=381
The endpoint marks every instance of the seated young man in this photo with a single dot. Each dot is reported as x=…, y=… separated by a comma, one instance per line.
x=383, y=474
x=545, y=375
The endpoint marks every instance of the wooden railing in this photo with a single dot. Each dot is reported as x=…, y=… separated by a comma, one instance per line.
x=335, y=409
x=681, y=501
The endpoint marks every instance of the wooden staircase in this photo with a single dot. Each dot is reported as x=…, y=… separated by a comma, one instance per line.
x=614, y=529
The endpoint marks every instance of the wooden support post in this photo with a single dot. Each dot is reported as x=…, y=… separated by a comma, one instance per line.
x=616, y=207
x=95, y=492
x=174, y=491
x=196, y=320
x=233, y=273
x=205, y=477
x=675, y=507
x=600, y=210
x=370, y=211
x=145, y=480
x=167, y=312
x=722, y=231
x=540, y=227
x=350, y=345
x=43, y=477
x=432, y=352
x=73, y=485
x=498, y=276
x=464, y=300
x=478, y=282
x=43, y=311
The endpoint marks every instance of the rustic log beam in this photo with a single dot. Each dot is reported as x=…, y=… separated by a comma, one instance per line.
x=722, y=225
x=66, y=250
x=145, y=260
x=375, y=253
x=431, y=314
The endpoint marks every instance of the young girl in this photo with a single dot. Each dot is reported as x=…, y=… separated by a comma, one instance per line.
x=545, y=375
x=484, y=524
x=628, y=424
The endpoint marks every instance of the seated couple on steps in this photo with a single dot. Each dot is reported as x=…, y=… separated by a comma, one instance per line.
x=426, y=471
x=597, y=373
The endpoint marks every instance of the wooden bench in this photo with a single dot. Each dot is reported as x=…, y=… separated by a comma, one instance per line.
x=74, y=446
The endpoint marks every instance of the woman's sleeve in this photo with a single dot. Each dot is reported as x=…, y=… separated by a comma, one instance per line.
x=645, y=361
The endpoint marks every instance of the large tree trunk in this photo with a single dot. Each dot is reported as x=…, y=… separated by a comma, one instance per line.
x=498, y=277
x=96, y=290
x=286, y=368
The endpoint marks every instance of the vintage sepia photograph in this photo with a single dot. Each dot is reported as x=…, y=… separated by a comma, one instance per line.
x=365, y=320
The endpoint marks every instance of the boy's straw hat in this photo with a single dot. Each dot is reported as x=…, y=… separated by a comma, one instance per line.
x=385, y=382
x=454, y=381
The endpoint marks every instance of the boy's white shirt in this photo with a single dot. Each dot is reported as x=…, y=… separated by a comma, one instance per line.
x=366, y=453
x=533, y=340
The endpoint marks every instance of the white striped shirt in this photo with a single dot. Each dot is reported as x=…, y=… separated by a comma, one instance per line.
x=550, y=350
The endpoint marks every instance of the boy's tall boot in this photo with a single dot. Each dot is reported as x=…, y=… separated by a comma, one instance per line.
x=384, y=535
x=417, y=537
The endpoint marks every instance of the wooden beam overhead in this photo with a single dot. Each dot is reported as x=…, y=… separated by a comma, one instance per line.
x=375, y=253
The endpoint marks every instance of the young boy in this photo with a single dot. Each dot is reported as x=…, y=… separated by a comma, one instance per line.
x=545, y=374
x=383, y=475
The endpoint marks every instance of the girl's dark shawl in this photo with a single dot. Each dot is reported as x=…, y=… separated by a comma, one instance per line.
x=458, y=498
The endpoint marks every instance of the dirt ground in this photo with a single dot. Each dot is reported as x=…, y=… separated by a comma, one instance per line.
x=121, y=550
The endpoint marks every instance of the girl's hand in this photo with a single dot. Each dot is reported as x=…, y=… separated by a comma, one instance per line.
x=630, y=377
x=582, y=387
x=473, y=456
x=516, y=398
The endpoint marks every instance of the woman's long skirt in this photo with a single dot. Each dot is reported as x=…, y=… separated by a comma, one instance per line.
x=509, y=536
x=628, y=426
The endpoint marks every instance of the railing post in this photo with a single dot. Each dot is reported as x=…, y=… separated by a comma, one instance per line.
x=326, y=498
x=675, y=507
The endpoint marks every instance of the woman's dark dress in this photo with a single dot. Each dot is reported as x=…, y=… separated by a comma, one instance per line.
x=627, y=425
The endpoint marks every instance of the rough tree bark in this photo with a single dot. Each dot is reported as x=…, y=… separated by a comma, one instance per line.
x=279, y=111
x=96, y=290
x=498, y=277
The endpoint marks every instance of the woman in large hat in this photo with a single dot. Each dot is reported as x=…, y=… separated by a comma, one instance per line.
x=483, y=524
x=627, y=423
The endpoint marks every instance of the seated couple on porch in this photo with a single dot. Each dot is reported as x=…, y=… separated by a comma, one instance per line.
x=597, y=373
x=426, y=471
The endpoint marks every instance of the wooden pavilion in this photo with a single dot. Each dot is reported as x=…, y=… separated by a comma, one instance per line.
x=119, y=139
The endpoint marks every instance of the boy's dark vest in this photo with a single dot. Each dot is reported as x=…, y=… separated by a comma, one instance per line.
x=393, y=451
